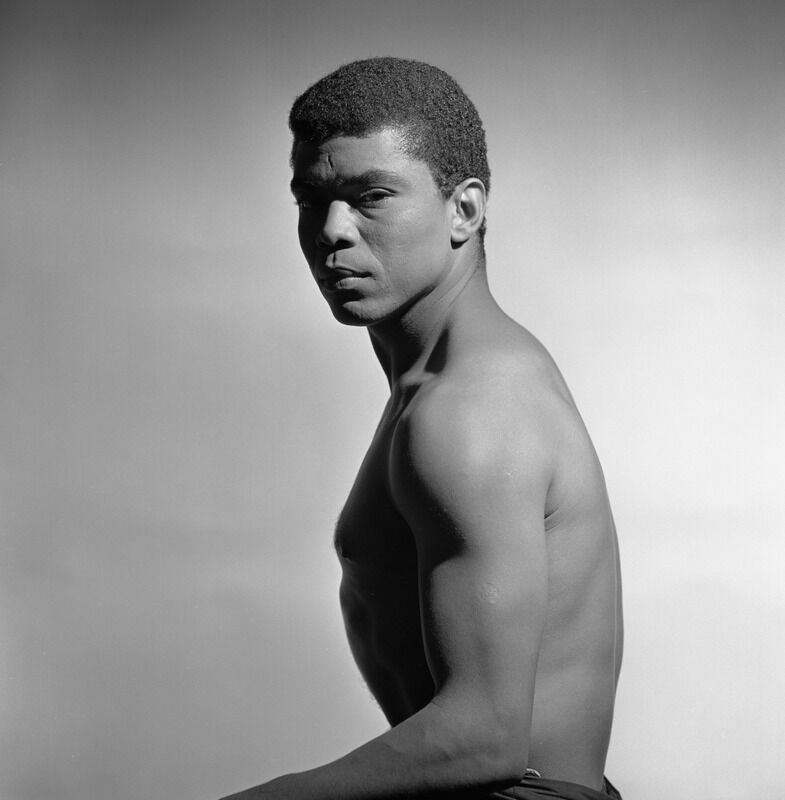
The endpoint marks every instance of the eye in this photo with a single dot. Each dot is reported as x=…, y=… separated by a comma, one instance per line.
x=374, y=198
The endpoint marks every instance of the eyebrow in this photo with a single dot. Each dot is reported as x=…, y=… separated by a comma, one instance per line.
x=366, y=178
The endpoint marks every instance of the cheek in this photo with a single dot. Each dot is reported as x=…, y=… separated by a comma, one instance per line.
x=425, y=238
x=306, y=236
x=418, y=230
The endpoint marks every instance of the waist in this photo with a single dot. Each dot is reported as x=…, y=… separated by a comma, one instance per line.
x=534, y=787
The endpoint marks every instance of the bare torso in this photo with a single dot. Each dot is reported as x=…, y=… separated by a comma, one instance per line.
x=581, y=644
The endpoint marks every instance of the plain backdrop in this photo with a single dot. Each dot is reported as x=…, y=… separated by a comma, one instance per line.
x=181, y=417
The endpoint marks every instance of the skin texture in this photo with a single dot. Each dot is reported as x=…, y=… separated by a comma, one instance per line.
x=480, y=588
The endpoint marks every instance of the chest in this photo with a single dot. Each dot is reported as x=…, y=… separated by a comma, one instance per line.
x=371, y=536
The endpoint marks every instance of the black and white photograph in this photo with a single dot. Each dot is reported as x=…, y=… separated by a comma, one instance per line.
x=391, y=400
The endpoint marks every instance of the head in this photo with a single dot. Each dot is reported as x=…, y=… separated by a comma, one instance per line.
x=390, y=175
x=437, y=122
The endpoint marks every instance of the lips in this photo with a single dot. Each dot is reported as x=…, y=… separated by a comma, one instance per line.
x=336, y=278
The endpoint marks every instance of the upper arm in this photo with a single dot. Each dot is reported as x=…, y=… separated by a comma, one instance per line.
x=470, y=475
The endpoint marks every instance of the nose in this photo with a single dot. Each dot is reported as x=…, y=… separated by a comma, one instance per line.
x=337, y=228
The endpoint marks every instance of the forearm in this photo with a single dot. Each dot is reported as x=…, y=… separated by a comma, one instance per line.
x=432, y=753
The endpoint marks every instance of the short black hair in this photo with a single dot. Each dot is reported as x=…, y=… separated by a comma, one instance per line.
x=439, y=124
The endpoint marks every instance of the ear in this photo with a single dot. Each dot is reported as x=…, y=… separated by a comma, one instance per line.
x=467, y=203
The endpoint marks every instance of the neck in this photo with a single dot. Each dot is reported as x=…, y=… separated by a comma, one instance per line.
x=405, y=345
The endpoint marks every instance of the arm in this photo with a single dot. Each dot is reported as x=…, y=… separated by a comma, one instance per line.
x=470, y=483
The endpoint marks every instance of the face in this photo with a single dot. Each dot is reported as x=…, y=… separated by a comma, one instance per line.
x=373, y=226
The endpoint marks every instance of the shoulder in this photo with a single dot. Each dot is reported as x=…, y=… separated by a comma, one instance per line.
x=485, y=432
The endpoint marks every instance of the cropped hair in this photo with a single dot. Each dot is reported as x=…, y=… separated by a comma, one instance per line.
x=438, y=123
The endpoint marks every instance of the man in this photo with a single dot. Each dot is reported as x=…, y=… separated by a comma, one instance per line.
x=481, y=589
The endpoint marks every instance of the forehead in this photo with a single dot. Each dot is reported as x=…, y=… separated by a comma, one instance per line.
x=345, y=158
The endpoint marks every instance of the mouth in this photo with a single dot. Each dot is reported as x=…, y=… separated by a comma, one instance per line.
x=340, y=279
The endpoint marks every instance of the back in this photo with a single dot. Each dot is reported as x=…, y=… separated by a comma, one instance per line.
x=581, y=650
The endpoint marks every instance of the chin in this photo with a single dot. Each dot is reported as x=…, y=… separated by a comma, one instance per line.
x=354, y=314
x=350, y=321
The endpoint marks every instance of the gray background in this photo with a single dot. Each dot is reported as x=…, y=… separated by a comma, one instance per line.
x=181, y=417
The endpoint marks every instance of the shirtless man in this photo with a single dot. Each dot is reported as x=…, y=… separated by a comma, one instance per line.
x=481, y=589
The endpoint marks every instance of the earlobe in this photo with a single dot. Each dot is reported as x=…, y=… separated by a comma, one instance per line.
x=468, y=202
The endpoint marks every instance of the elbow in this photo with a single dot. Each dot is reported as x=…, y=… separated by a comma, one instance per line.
x=506, y=753
x=494, y=750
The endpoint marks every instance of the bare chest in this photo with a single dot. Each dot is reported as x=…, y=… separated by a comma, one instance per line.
x=379, y=590
x=371, y=537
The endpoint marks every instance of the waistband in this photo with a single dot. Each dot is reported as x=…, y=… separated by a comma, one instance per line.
x=533, y=787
